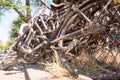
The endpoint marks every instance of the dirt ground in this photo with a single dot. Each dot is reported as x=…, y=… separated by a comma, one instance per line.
x=35, y=72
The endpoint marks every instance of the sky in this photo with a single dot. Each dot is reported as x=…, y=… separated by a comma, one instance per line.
x=5, y=23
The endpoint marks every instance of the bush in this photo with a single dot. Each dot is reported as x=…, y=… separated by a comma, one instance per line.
x=1, y=45
x=9, y=44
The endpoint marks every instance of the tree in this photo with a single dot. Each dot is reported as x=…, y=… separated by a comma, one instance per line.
x=22, y=8
x=24, y=12
x=15, y=27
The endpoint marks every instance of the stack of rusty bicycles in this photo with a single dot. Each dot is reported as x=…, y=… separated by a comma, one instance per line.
x=79, y=25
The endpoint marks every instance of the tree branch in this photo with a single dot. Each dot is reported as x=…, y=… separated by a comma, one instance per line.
x=28, y=9
x=21, y=15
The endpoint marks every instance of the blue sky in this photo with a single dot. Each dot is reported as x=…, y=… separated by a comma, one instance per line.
x=5, y=23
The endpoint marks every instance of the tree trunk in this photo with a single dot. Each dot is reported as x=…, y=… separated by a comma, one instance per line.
x=28, y=9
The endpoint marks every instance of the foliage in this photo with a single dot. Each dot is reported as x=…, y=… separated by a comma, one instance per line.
x=17, y=7
x=1, y=45
x=22, y=8
x=9, y=43
x=15, y=27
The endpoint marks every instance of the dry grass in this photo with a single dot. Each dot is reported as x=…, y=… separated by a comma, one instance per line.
x=108, y=57
x=56, y=70
x=59, y=73
x=85, y=64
